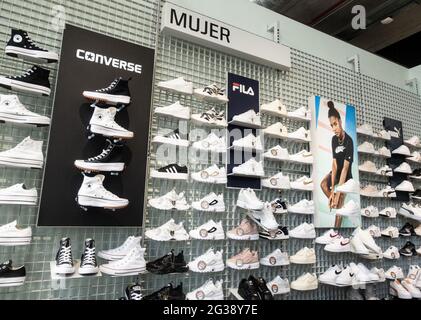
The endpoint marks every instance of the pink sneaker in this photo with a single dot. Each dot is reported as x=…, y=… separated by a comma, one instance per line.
x=246, y=259
x=247, y=230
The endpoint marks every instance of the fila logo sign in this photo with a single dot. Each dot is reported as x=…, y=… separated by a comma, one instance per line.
x=108, y=61
x=242, y=89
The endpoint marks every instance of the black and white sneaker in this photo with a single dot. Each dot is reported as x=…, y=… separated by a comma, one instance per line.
x=109, y=160
x=280, y=234
x=20, y=45
x=116, y=93
x=11, y=276
x=64, y=258
x=133, y=292
x=416, y=194
x=34, y=80
x=174, y=138
x=407, y=230
x=408, y=250
x=416, y=174
x=172, y=172
x=88, y=263
x=279, y=206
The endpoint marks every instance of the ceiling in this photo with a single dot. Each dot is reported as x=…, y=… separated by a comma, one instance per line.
x=398, y=41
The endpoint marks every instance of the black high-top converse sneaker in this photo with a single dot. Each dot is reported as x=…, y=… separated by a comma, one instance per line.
x=109, y=160
x=116, y=93
x=64, y=258
x=133, y=292
x=20, y=45
x=88, y=263
x=34, y=80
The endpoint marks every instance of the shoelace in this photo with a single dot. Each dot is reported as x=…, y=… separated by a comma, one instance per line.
x=103, y=154
x=65, y=255
x=111, y=86
x=107, y=193
x=31, y=42
x=89, y=257
x=135, y=295
x=27, y=73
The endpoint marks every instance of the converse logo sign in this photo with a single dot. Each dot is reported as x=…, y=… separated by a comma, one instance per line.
x=108, y=61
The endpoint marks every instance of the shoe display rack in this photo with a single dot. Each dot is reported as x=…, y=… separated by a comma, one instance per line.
x=308, y=76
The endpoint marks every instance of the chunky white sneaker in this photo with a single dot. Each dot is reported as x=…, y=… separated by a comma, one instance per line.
x=402, y=150
x=370, y=212
x=168, y=231
x=208, y=291
x=301, y=134
x=384, y=135
x=211, y=143
x=391, y=253
x=265, y=217
x=213, y=174
x=210, y=261
x=403, y=168
x=249, y=142
x=303, y=156
x=121, y=251
x=246, y=230
x=394, y=272
x=279, y=286
x=175, y=110
x=210, y=203
x=391, y=232
x=103, y=123
x=276, y=130
x=405, y=186
x=26, y=154
x=173, y=138
x=384, y=152
x=248, y=200
x=250, y=168
x=274, y=108
x=300, y=114
x=367, y=147
x=411, y=288
x=303, y=207
x=18, y=194
x=396, y=289
x=351, y=208
x=328, y=237
x=275, y=259
x=385, y=171
x=374, y=231
x=370, y=191
x=212, y=93
x=277, y=153
x=13, y=235
x=132, y=264
x=278, y=181
x=246, y=259
x=303, y=183
x=306, y=282
x=249, y=118
x=177, y=85
x=210, y=230
x=339, y=245
x=368, y=166
x=304, y=256
x=170, y=201
x=413, y=141
x=93, y=194
x=12, y=110
x=351, y=186
x=388, y=212
x=366, y=129
x=210, y=118
x=303, y=231
x=330, y=275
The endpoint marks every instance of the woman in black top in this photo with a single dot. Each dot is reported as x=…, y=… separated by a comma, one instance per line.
x=343, y=156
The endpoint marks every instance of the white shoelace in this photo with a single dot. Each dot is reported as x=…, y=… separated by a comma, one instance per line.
x=112, y=85
x=65, y=255
x=89, y=257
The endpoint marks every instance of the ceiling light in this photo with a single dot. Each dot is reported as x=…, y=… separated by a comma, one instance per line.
x=387, y=20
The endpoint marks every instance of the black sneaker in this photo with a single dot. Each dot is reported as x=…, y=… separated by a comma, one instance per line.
x=133, y=292
x=172, y=171
x=408, y=250
x=407, y=230
x=248, y=290
x=279, y=206
x=109, y=160
x=280, y=234
x=416, y=194
x=117, y=92
x=20, y=45
x=11, y=276
x=261, y=285
x=170, y=263
x=34, y=80
x=167, y=293
x=88, y=262
x=64, y=258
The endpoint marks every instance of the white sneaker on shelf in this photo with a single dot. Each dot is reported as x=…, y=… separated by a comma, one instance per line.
x=302, y=207
x=330, y=275
x=389, y=212
x=387, y=192
x=303, y=156
x=370, y=276
x=249, y=118
x=391, y=253
x=374, y=231
x=169, y=231
x=132, y=264
x=351, y=208
x=367, y=147
x=102, y=122
x=250, y=168
x=394, y=272
x=278, y=286
x=368, y=166
x=303, y=183
x=211, y=143
x=212, y=93
x=172, y=138
x=265, y=217
x=178, y=85
x=411, y=288
x=213, y=174
x=249, y=142
x=275, y=108
x=328, y=237
x=208, y=291
x=300, y=135
x=210, y=203
x=384, y=135
x=304, y=256
x=403, y=168
x=18, y=194
x=306, y=282
x=12, y=110
x=396, y=289
x=405, y=186
x=277, y=130
x=402, y=150
x=121, y=251
x=210, y=118
x=278, y=181
x=248, y=200
x=370, y=212
x=345, y=278
x=415, y=157
x=210, y=230
x=351, y=186
x=384, y=152
x=366, y=129
x=13, y=235
x=370, y=191
x=26, y=154
x=391, y=232
x=170, y=201
x=275, y=259
x=300, y=114
x=413, y=141
x=175, y=110
x=277, y=153
x=385, y=171
x=303, y=231
x=339, y=245
x=210, y=261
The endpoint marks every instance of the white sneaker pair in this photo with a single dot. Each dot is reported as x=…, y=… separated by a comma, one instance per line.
x=169, y=231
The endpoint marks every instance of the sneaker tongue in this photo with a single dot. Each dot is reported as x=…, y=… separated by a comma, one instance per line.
x=90, y=243
x=65, y=242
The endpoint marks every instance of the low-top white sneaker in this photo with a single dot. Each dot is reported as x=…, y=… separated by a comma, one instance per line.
x=303, y=231
x=210, y=203
x=278, y=181
x=301, y=134
x=208, y=291
x=210, y=261
x=385, y=171
x=405, y=186
x=249, y=142
x=374, y=231
x=330, y=275
x=391, y=232
x=394, y=272
x=388, y=192
x=212, y=174
x=403, y=168
x=211, y=92
x=278, y=286
x=303, y=207
x=177, y=85
x=306, y=282
x=303, y=183
x=276, y=130
x=303, y=156
x=304, y=256
x=351, y=186
x=384, y=152
x=249, y=118
x=277, y=153
x=351, y=208
x=18, y=194
x=274, y=108
x=383, y=134
x=370, y=212
x=300, y=114
x=121, y=251
x=366, y=129
x=250, y=168
x=391, y=253
x=396, y=289
x=13, y=235
x=248, y=200
x=339, y=245
x=211, y=143
x=168, y=231
x=210, y=230
x=276, y=258
x=388, y=212
x=328, y=237
x=368, y=166
x=413, y=141
x=402, y=150
x=367, y=147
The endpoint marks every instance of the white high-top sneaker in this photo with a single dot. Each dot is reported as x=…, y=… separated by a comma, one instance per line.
x=121, y=251
x=12, y=110
x=93, y=194
x=132, y=264
x=27, y=154
x=102, y=122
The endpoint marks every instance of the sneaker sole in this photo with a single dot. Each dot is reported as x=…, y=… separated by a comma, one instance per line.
x=21, y=163
x=294, y=261
x=15, y=241
x=23, y=120
x=208, y=269
x=110, y=132
x=31, y=55
x=24, y=86
x=209, y=98
x=211, y=180
x=122, y=272
x=169, y=176
x=101, y=203
x=173, y=115
x=249, y=266
x=17, y=199
x=12, y=282
x=99, y=167
x=104, y=97
x=64, y=270
x=173, y=142
x=243, y=237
